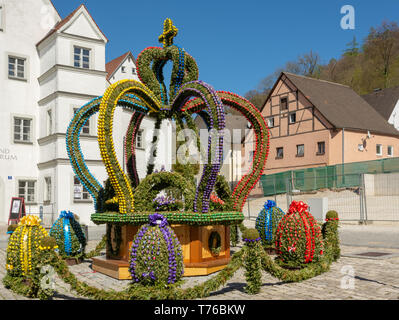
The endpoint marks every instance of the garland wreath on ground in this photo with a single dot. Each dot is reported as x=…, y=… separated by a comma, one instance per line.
x=252, y=257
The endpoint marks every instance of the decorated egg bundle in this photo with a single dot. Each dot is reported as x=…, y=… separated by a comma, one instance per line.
x=156, y=254
x=298, y=237
x=68, y=233
x=267, y=222
x=24, y=245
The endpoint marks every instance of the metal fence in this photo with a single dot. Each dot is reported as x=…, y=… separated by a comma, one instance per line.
x=45, y=211
x=356, y=196
x=336, y=176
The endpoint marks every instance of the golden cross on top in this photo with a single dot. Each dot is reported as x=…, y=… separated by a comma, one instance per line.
x=169, y=32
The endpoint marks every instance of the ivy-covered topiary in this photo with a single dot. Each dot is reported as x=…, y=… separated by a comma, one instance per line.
x=332, y=215
x=68, y=233
x=151, y=185
x=156, y=255
x=331, y=235
x=252, y=260
x=298, y=237
x=267, y=222
x=24, y=245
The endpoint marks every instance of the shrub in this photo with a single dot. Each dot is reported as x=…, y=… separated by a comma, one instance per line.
x=298, y=237
x=267, y=222
x=156, y=257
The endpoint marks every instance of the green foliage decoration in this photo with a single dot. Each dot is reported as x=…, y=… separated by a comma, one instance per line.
x=331, y=234
x=176, y=217
x=148, y=76
x=116, y=239
x=215, y=243
x=156, y=255
x=151, y=185
x=267, y=222
x=243, y=257
x=298, y=237
x=69, y=236
x=252, y=261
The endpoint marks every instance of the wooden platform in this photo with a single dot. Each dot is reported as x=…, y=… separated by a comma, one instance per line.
x=119, y=269
x=197, y=257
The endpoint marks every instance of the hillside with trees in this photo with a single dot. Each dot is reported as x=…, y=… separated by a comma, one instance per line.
x=373, y=65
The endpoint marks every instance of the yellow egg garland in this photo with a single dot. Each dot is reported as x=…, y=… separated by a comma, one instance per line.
x=24, y=243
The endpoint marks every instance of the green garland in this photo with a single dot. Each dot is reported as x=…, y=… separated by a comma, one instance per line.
x=117, y=238
x=252, y=264
x=215, y=243
x=97, y=250
x=234, y=235
x=244, y=257
x=178, y=217
x=147, y=75
x=151, y=185
x=154, y=143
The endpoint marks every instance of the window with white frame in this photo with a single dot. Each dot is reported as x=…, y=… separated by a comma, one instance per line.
x=16, y=67
x=133, y=70
x=139, y=139
x=49, y=122
x=86, y=126
x=81, y=57
x=79, y=190
x=22, y=129
x=47, y=189
x=27, y=190
x=300, y=150
x=270, y=122
x=292, y=117
x=379, y=149
x=390, y=151
x=280, y=153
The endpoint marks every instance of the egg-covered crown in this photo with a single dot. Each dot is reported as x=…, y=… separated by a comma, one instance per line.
x=152, y=60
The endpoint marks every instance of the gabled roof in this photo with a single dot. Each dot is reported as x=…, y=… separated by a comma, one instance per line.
x=114, y=65
x=64, y=21
x=339, y=104
x=384, y=101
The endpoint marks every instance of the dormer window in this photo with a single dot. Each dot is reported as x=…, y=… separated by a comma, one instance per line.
x=81, y=58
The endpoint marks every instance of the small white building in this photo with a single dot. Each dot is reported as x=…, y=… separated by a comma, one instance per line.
x=386, y=102
x=49, y=68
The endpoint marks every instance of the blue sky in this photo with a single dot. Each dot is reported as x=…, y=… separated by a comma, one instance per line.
x=235, y=43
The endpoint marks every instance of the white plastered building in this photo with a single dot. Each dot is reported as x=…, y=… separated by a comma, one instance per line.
x=49, y=67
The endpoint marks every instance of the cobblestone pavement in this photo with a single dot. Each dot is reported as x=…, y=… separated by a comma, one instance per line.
x=372, y=279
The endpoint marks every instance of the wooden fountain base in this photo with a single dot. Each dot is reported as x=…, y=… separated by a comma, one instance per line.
x=197, y=257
